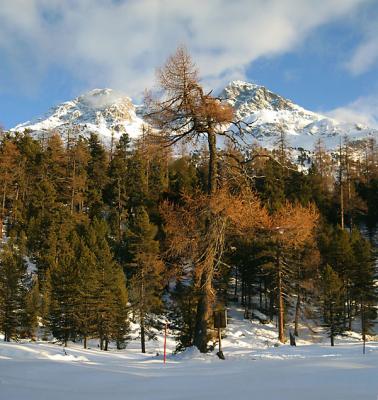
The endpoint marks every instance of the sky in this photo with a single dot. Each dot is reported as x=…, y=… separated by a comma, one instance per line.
x=322, y=54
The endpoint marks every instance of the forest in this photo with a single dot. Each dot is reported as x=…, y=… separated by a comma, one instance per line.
x=182, y=221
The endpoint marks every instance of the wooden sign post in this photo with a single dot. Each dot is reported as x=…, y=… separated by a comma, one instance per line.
x=220, y=321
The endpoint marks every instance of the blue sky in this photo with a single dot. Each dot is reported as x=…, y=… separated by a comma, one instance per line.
x=322, y=54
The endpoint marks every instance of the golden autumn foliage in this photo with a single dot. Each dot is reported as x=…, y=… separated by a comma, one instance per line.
x=293, y=224
x=187, y=225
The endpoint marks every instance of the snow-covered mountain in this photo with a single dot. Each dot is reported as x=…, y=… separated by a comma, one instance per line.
x=268, y=113
x=103, y=111
x=108, y=113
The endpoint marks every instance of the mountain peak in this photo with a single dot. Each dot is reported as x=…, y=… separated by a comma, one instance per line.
x=103, y=111
x=270, y=113
x=102, y=98
x=247, y=97
x=110, y=113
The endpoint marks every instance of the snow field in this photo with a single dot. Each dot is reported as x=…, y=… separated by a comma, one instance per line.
x=255, y=368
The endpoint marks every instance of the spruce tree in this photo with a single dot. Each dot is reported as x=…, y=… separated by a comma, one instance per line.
x=31, y=307
x=364, y=288
x=111, y=318
x=117, y=189
x=146, y=270
x=331, y=297
x=97, y=176
x=86, y=290
x=62, y=283
x=13, y=274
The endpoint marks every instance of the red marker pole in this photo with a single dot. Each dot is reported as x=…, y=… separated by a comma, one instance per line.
x=165, y=343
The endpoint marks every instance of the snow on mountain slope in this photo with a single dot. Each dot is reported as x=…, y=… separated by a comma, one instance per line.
x=269, y=112
x=108, y=113
x=103, y=111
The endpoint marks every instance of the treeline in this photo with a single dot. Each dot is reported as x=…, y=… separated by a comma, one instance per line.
x=95, y=237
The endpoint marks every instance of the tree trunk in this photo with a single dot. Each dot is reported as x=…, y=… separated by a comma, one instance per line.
x=260, y=294
x=297, y=312
x=119, y=211
x=249, y=296
x=271, y=305
x=212, y=178
x=85, y=341
x=203, y=312
x=236, y=284
x=363, y=327
x=281, y=310
x=205, y=291
x=73, y=184
x=341, y=206
x=332, y=326
x=2, y=211
x=142, y=334
x=141, y=313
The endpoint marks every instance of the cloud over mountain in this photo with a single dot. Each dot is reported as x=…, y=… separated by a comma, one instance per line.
x=118, y=43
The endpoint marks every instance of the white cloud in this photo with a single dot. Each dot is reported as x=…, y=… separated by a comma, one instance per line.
x=119, y=43
x=365, y=55
x=363, y=110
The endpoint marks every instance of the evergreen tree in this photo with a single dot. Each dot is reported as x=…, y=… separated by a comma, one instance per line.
x=331, y=297
x=146, y=270
x=13, y=274
x=117, y=188
x=77, y=176
x=62, y=283
x=86, y=289
x=31, y=308
x=364, y=289
x=97, y=176
x=111, y=319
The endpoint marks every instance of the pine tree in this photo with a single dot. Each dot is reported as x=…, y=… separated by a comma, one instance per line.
x=111, y=307
x=97, y=177
x=86, y=290
x=182, y=177
x=9, y=173
x=13, y=273
x=31, y=307
x=78, y=157
x=62, y=282
x=331, y=297
x=117, y=189
x=364, y=289
x=146, y=270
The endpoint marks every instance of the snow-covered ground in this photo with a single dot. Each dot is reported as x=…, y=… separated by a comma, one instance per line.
x=254, y=369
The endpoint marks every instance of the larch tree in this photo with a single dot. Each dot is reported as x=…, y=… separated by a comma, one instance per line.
x=290, y=228
x=196, y=232
x=184, y=112
x=9, y=171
